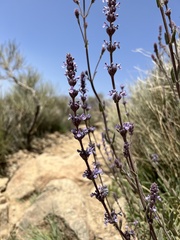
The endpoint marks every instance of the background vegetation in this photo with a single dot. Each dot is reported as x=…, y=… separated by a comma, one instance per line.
x=155, y=112
x=30, y=107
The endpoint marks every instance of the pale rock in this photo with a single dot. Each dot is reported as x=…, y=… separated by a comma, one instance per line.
x=35, y=174
x=3, y=216
x=3, y=183
x=52, y=183
x=62, y=198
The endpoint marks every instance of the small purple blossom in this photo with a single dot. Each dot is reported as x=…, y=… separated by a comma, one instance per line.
x=88, y=174
x=112, y=218
x=115, y=95
x=93, y=174
x=88, y=116
x=101, y=193
x=85, y=106
x=91, y=129
x=86, y=153
x=74, y=105
x=152, y=199
x=97, y=170
x=111, y=47
x=128, y=233
x=117, y=163
x=73, y=93
x=77, y=119
x=136, y=222
x=154, y=157
x=112, y=69
x=127, y=127
x=126, y=149
x=110, y=30
x=71, y=68
x=83, y=89
x=110, y=10
x=80, y=133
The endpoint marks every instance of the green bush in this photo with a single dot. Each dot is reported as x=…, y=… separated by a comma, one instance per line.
x=18, y=109
x=30, y=108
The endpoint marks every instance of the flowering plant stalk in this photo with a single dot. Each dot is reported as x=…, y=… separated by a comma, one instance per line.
x=171, y=31
x=101, y=191
x=120, y=167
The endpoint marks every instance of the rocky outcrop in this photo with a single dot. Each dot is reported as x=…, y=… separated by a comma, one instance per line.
x=50, y=185
x=63, y=198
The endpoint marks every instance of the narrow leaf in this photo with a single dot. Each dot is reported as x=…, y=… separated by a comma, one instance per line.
x=101, y=107
x=171, y=220
x=158, y=3
x=173, y=76
x=173, y=38
x=166, y=38
x=113, y=139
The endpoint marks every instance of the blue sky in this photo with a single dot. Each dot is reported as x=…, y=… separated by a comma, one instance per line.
x=46, y=30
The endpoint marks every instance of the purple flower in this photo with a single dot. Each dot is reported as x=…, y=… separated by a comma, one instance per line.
x=91, y=129
x=93, y=174
x=152, y=199
x=110, y=30
x=74, y=105
x=111, y=47
x=77, y=119
x=80, y=133
x=71, y=67
x=86, y=153
x=126, y=149
x=128, y=233
x=83, y=89
x=73, y=92
x=88, y=174
x=117, y=163
x=110, y=10
x=154, y=157
x=112, y=218
x=136, y=222
x=112, y=69
x=101, y=193
x=115, y=96
x=97, y=170
x=127, y=127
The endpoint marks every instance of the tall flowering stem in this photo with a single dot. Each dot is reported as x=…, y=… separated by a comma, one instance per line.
x=82, y=13
x=123, y=128
x=111, y=16
x=170, y=39
x=101, y=191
